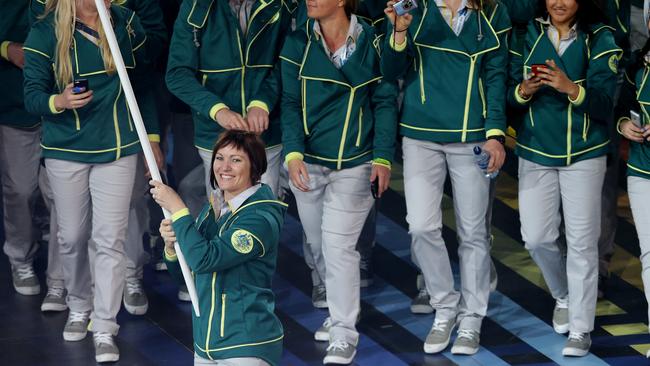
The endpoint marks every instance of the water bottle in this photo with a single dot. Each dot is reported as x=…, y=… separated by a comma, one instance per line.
x=482, y=159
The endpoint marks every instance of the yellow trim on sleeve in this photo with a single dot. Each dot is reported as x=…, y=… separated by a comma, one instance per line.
x=581, y=97
x=153, y=137
x=618, y=124
x=518, y=97
x=215, y=109
x=494, y=132
x=170, y=257
x=397, y=47
x=293, y=156
x=52, y=107
x=180, y=213
x=258, y=104
x=382, y=162
x=4, y=50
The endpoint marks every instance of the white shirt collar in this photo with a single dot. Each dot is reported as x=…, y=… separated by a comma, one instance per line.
x=235, y=203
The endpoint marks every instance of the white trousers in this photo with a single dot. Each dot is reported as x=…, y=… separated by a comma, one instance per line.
x=638, y=189
x=425, y=169
x=238, y=361
x=92, y=203
x=577, y=188
x=332, y=214
x=136, y=256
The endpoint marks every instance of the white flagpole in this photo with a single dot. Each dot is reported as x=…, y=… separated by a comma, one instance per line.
x=142, y=135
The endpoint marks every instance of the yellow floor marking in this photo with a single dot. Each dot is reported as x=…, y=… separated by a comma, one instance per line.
x=626, y=329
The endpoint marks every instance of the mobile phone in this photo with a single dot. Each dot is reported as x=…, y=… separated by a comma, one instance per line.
x=79, y=86
x=535, y=68
x=635, y=117
x=404, y=6
x=374, y=188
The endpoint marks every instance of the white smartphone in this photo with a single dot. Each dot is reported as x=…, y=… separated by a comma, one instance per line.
x=636, y=119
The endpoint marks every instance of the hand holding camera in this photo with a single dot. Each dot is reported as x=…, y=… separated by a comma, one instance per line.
x=397, y=13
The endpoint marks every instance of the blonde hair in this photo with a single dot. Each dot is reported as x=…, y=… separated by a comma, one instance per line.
x=65, y=15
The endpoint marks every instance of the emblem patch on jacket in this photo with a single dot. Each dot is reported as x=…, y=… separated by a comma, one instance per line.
x=242, y=241
x=613, y=63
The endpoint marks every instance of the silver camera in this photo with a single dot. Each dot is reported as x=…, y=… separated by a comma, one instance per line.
x=404, y=6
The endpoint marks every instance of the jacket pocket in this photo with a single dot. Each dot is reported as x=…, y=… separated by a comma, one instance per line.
x=303, y=93
x=360, y=127
x=223, y=315
x=585, y=126
x=481, y=93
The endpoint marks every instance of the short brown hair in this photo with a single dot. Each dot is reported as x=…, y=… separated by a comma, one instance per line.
x=350, y=7
x=247, y=142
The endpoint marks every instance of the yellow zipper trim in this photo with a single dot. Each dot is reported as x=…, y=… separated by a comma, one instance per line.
x=482, y=95
x=345, y=129
x=76, y=117
x=568, y=135
x=585, y=126
x=645, y=78
x=243, y=74
x=304, y=106
x=207, y=337
x=118, y=139
x=88, y=151
x=247, y=205
x=223, y=314
x=530, y=114
x=239, y=345
x=128, y=116
x=335, y=160
x=205, y=78
x=468, y=97
x=360, y=126
x=563, y=156
x=423, y=97
x=264, y=5
x=439, y=129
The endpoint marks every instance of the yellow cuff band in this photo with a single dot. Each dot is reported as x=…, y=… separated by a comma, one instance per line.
x=170, y=257
x=494, y=132
x=4, y=49
x=511, y=132
x=293, y=156
x=153, y=137
x=258, y=104
x=397, y=47
x=215, y=109
x=382, y=162
x=518, y=97
x=618, y=124
x=581, y=97
x=180, y=213
x=52, y=107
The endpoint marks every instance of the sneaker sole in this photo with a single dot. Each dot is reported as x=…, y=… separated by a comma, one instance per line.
x=338, y=360
x=421, y=309
x=322, y=336
x=561, y=328
x=53, y=307
x=574, y=352
x=320, y=304
x=107, y=358
x=28, y=291
x=161, y=267
x=136, y=310
x=74, y=336
x=463, y=350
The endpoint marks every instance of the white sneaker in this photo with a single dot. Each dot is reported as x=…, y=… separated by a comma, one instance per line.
x=135, y=300
x=340, y=352
x=561, y=316
x=54, y=299
x=322, y=334
x=577, y=345
x=105, y=348
x=76, y=327
x=439, y=335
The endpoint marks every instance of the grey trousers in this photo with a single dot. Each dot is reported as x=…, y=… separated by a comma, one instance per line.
x=637, y=189
x=332, y=214
x=271, y=177
x=109, y=187
x=54, y=272
x=20, y=153
x=578, y=189
x=239, y=361
x=425, y=167
x=136, y=256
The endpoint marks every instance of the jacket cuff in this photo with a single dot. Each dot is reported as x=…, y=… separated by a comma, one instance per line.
x=382, y=162
x=494, y=132
x=581, y=97
x=397, y=47
x=258, y=104
x=618, y=124
x=293, y=156
x=4, y=49
x=215, y=109
x=170, y=257
x=180, y=213
x=519, y=98
x=52, y=107
x=153, y=137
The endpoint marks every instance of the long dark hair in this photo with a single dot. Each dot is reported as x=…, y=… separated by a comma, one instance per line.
x=590, y=13
x=483, y=4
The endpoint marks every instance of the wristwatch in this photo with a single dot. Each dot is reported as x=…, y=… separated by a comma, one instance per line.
x=500, y=138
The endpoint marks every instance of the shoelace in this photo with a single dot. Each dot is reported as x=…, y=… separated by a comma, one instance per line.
x=465, y=333
x=423, y=293
x=338, y=345
x=25, y=272
x=134, y=287
x=562, y=303
x=575, y=336
x=77, y=316
x=327, y=323
x=101, y=337
x=55, y=292
x=439, y=325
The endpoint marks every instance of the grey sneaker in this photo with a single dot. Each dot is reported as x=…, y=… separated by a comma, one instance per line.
x=25, y=280
x=561, y=316
x=183, y=294
x=54, y=300
x=340, y=352
x=319, y=297
x=421, y=303
x=577, y=345
x=105, y=348
x=322, y=334
x=135, y=300
x=76, y=327
x=466, y=342
x=365, y=272
x=439, y=335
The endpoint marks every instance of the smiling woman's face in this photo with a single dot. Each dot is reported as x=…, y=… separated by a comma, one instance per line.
x=562, y=11
x=232, y=169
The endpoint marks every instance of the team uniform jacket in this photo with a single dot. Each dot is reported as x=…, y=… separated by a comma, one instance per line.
x=102, y=131
x=212, y=65
x=233, y=259
x=338, y=118
x=556, y=131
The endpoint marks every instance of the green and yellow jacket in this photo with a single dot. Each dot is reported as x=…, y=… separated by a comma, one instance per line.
x=520, y=11
x=557, y=131
x=338, y=118
x=618, y=14
x=212, y=65
x=102, y=131
x=14, y=26
x=233, y=260
x=454, y=85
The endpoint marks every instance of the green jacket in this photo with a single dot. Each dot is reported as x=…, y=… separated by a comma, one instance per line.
x=556, y=131
x=14, y=26
x=337, y=118
x=233, y=260
x=102, y=131
x=618, y=15
x=454, y=85
x=212, y=65
x=520, y=11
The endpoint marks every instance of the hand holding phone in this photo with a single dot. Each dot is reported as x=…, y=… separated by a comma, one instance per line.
x=535, y=69
x=79, y=86
x=374, y=188
x=636, y=119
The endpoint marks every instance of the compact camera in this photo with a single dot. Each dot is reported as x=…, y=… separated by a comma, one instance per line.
x=404, y=6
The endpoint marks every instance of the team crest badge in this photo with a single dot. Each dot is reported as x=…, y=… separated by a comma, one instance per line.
x=613, y=63
x=242, y=241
